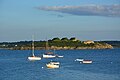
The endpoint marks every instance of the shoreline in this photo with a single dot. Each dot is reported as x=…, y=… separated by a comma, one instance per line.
x=59, y=48
x=60, y=45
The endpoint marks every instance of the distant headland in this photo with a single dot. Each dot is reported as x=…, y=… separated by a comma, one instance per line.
x=60, y=44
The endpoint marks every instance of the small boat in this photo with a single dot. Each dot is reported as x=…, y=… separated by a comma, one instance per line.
x=79, y=59
x=33, y=57
x=87, y=61
x=52, y=65
x=59, y=56
x=48, y=56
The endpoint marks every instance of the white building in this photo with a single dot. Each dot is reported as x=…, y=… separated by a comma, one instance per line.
x=88, y=42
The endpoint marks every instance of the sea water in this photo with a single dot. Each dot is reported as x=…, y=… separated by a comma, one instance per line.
x=14, y=65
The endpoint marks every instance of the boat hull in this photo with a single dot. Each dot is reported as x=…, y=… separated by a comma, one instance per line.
x=52, y=66
x=48, y=56
x=60, y=56
x=56, y=63
x=34, y=58
x=87, y=62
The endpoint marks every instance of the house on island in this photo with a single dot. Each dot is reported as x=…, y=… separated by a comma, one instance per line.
x=88, y=42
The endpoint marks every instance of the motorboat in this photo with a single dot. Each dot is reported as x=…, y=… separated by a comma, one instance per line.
x=79, y=59
x=48, y=56
x=52, y=65
x=83, y=61
x=56, y=63
x=59, y=56
x=87, y=61
x=32, y=58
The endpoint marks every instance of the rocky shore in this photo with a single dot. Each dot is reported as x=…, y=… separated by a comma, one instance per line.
x=98, y=46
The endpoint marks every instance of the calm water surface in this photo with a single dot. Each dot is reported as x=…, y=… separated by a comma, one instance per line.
x=106, y=65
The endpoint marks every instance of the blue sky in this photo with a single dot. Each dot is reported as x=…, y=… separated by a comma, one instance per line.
x=83, y=19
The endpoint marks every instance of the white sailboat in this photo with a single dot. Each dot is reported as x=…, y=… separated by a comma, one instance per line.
x=48, y=54
x=33, y=57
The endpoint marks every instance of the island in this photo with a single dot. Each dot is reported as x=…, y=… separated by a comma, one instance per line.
x=57, y=44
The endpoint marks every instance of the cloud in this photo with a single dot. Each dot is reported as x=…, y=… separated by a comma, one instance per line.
x=89, y=10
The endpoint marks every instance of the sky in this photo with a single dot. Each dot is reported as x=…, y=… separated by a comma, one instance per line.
x=46, y=19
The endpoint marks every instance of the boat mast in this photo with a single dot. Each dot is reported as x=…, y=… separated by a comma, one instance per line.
x=46, y=45
x=33, y=45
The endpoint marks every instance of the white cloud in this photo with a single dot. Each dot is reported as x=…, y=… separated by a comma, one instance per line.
x=95, y=10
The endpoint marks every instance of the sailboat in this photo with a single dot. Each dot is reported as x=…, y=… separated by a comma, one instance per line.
x=33, y=57
x=48, y=54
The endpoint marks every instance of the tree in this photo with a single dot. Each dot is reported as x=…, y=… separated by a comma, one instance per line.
x=56, y=39
x=65, y=39
x=73, y=39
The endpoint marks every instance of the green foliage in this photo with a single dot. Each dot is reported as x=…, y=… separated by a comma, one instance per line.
x=65, y=43
x=56, y=39
x=40, y=43
x=73, y=38
x=65, y=39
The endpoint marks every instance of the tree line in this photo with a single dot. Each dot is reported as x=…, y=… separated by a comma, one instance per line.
x=72, y=42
